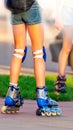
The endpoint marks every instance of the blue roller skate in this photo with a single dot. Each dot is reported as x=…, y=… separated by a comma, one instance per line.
x=13, y=101
x=46, y=105
x=60, y=86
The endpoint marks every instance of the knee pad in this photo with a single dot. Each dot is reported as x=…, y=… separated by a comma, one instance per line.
x=20, y=53
x=25, y=52
x=40, y=53
x=44, y=54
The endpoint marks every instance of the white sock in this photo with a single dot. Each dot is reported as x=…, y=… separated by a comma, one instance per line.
x=13, y=84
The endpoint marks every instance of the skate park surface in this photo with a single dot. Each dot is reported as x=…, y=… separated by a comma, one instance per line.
x=27, y=119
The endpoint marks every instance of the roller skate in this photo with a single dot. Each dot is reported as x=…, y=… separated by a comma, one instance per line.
x=46, y=105
x=60, y=86
x=13, y=101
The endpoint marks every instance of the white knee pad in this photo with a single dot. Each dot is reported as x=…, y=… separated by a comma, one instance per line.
x=38, y=54
x=20, y=56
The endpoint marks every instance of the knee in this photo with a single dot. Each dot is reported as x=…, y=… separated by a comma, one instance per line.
x=20, y=53
x=40, y=53
x=67, y=49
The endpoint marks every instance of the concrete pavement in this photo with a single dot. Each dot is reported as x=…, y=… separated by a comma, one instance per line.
x=26, y=119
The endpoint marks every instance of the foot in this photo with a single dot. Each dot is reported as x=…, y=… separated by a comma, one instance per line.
x=60, y=86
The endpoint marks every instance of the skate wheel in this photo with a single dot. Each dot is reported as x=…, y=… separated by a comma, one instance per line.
x=58, y=114
x=3, y=110
x=53, y=114
x=42, y=114
x=48, y=114
x=13, y=112
x=8, y=112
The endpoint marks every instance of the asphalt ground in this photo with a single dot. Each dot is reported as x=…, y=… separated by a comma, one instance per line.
x=26, y=118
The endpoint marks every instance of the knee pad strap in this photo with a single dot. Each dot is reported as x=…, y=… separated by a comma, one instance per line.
x=21, y=56
x=40, y=54
x=18, y=56
x=17, y=51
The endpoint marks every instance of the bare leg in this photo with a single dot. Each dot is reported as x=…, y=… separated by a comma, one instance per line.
x=46, y=106
x=13, y=100
x=36, y=35
x=67, y=46
x=19, y=40
x=60, y=86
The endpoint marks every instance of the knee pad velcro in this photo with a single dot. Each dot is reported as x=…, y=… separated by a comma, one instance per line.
x=40, y=54
x=20, y=53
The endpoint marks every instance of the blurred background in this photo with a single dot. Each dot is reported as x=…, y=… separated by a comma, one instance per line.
x=53, y=40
